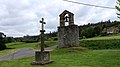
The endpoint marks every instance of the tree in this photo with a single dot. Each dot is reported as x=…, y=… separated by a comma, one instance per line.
x=2, y=41
x=9, y=39
x=88, y=32
x=97, y=30
x=118, y=8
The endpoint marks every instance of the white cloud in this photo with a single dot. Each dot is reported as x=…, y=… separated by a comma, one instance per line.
x=21, y=17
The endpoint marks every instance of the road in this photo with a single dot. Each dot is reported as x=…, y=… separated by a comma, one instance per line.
x=23, y=52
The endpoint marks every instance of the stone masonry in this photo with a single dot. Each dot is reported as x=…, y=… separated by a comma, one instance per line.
x=68, y=36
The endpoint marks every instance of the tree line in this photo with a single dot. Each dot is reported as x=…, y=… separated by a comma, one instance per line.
x=98, y=29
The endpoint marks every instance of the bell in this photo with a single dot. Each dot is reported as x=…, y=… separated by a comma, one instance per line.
x=66, y=19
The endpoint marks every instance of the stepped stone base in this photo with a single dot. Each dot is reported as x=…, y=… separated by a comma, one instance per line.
x=42, y=58
x=41, y=62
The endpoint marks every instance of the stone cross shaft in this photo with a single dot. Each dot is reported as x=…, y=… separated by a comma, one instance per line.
x=42, y=35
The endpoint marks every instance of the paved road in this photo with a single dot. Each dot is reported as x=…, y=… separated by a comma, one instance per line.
x=24, y=52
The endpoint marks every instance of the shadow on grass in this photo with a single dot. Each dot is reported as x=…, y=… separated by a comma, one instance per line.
x=7, y=49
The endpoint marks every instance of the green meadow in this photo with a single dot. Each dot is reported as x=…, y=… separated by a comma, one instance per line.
x=71, y=57
x=82, y=56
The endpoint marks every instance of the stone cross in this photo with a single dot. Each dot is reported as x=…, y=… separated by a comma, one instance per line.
x=42, y=23
x=42, y=57
x=42, y=35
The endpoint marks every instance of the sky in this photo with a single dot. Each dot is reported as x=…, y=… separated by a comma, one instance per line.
x=21, y=17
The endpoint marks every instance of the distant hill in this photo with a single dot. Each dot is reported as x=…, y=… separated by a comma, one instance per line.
x=100, y=28
x=89, y=30
x=104, y=24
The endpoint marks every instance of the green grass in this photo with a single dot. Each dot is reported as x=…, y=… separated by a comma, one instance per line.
x=7, y=51
x=104, y=42
x=34, y=45
x=104, y=37
x=17, y=45
x=101, y=44
x=71, y=57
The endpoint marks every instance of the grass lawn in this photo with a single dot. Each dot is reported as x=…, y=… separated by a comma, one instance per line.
x=34, y=45
x=101, y=44
x=104, y=38
x=71, y=57
x=7, y=51
x=17, y=45
x=104, y=42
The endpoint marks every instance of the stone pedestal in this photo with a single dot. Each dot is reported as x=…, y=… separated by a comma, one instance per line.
x=42, y=58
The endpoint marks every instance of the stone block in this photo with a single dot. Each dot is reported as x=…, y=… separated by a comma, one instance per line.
x=42, y=58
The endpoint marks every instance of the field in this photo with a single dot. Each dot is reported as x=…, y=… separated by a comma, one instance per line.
x=105, y=42
x=101, y=44
x=17, y=45
x=71, y=57
x=82, y=56
x=117, y=36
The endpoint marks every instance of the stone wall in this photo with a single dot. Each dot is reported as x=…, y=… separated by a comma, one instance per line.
x=68, y=36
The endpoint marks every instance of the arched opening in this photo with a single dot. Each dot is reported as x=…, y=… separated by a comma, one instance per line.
x=66, y=20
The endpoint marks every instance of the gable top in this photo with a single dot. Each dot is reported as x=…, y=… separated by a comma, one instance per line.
x=66, y=12
x=1, y=33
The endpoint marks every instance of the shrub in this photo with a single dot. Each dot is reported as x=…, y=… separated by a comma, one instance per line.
x=2, y=43
x=55, y=39
x=101, y=44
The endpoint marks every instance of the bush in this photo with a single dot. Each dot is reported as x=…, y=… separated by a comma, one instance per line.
x=2, y=43
x=9, y=39
x=30, y=41
x=101, y=44
x=55, y=39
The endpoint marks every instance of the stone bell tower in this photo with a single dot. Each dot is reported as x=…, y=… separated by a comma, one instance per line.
x=68, y=36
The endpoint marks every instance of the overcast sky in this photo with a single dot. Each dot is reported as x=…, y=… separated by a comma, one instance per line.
x=21, y=17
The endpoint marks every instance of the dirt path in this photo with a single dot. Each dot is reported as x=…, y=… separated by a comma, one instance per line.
x=24, y=52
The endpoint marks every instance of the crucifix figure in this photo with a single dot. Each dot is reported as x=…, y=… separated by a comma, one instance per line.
x=42, y=35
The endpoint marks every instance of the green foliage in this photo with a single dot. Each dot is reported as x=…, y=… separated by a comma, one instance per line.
x=50, y=43
x=99, y=29
x=51, y=34
x=55, y=38
x=9, y=39
x=118, y=8
x=2, y=43
x=88, y=32
x=2, y=46
x=91, y=32
x=30, y=39
x=101, y=44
